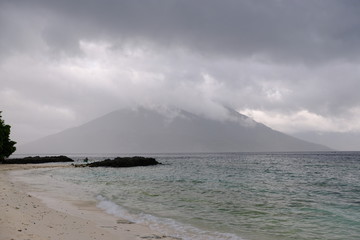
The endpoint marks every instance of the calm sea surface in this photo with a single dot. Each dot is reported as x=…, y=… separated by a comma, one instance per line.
x=224, y=196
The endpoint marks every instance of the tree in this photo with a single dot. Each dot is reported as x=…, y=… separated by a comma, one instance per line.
x=7, y=147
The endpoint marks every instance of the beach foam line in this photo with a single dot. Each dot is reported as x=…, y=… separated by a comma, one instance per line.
x=166, y=226
x=33, y=215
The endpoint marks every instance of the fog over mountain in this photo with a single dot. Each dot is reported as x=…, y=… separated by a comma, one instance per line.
x=292, y=65
x=338, y=141
x=168, y=130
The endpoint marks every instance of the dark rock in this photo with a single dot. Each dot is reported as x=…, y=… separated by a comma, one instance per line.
x=37, y=159
x=125, y=162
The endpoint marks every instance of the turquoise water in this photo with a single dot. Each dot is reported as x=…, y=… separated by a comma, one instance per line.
x=227, y=195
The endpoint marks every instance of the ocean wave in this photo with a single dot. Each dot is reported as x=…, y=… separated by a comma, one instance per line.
x=166, y=226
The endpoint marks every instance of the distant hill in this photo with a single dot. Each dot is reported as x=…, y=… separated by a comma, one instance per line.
x=341, y=141
x=149, y=131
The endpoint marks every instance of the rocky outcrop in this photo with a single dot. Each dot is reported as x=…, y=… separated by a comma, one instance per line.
x=37, y=159
x=125, y=162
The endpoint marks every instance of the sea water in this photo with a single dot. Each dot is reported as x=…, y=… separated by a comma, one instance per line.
x=225, y=196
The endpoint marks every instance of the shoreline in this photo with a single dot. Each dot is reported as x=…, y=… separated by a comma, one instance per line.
x=26, y=215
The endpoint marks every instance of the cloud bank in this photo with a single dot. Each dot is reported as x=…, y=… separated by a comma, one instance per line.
x=290, y=64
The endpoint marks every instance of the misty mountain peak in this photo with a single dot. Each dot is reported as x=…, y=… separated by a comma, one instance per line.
x=166, y=130
x=171, y=113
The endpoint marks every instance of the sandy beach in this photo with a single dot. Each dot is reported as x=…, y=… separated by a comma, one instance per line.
x=24, y=216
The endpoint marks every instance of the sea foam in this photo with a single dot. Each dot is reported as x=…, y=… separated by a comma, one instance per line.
x=166, y=226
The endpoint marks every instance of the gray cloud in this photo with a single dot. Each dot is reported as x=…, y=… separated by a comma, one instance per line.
x=64, y=62
x=280, y=30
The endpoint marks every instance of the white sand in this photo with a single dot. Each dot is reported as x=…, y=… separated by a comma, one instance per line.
x=24, y=216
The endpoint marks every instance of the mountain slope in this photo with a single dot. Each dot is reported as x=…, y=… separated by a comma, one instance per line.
x=341, y=141
x=148, y=131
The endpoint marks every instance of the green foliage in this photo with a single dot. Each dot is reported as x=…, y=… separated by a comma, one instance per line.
x=7, y=147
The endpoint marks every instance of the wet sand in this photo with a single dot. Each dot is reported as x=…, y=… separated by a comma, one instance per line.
x=25, y=216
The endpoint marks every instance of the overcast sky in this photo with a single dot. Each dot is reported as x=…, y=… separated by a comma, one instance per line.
x=291, y=64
